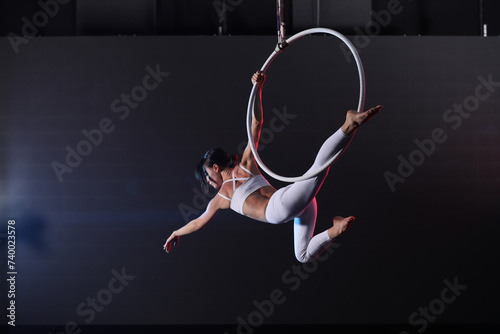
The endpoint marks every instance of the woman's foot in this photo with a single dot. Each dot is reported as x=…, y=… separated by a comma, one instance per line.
x=353, y=119
x=340, y=225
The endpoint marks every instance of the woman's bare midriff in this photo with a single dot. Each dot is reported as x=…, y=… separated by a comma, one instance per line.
x=256, y=203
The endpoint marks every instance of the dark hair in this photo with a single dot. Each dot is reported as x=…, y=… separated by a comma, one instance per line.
x=213, y=156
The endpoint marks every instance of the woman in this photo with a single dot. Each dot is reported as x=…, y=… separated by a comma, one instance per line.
x=243, y=189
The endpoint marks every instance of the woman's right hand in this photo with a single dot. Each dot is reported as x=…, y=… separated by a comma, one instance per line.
x=258, y=77
x=173, y=240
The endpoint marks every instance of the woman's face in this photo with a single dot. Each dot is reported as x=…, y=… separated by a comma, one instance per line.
x=214, y=177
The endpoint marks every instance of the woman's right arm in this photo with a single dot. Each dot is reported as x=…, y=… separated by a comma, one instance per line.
x=247, y=159
x=194, y=225
x=259, y=78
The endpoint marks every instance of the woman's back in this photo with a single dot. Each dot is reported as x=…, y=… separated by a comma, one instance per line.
x=248, y=193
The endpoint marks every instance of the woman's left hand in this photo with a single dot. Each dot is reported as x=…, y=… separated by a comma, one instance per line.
x=173, y=240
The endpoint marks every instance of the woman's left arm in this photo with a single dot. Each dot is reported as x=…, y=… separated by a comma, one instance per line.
x=195, y=224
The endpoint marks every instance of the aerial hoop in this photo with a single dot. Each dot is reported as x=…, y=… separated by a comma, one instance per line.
x=251, y=101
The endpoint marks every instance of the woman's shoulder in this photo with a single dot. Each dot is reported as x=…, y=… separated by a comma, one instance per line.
x=221, y=199
x=247, y=168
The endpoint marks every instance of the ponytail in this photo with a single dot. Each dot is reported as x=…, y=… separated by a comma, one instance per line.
x=233, y=161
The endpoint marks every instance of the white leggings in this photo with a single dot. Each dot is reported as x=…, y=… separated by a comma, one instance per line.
x=297, y=201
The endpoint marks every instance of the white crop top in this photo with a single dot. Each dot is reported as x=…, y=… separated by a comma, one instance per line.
x=241, y=193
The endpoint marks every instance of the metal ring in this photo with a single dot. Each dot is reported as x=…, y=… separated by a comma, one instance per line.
x=251, y=101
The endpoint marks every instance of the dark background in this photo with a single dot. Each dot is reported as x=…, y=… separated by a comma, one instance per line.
x=117, y=207
x=255, y=17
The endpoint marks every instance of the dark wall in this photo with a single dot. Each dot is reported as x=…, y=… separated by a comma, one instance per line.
x=416, y=225
x=239, y=17
x=441, y=18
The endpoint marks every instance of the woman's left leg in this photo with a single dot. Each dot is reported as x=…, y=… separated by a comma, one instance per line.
x=288, y=202
x=307, y=247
